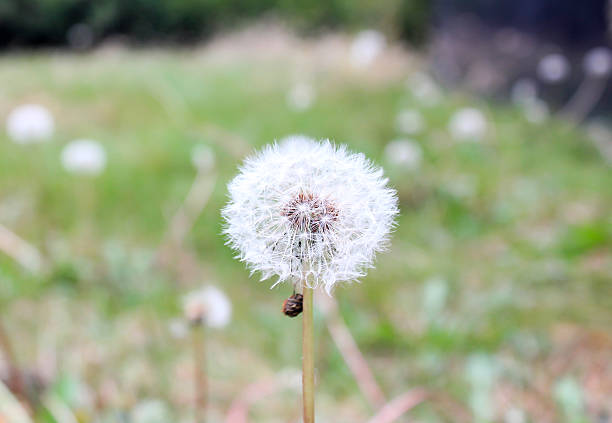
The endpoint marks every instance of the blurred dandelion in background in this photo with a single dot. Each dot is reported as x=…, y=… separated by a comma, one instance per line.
x=468, y=124
x=366, y=47
x=435, y=295
x=598, y=62
x=481, y=373
x=553, y=68
x=423, y=88
x=150, y=411
x=202, y=158
x=404, y=153
x=84, y=156
x=301, y=96
x=30, y=123
x=410, y=122
x=569, y=396
x=515, y=415
x=209, y=306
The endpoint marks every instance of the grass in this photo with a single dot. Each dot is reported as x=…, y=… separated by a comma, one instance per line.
x=517, y=227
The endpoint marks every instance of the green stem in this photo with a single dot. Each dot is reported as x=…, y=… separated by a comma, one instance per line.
x=308, y=356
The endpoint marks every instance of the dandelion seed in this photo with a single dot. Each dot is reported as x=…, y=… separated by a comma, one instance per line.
x=468, y=124
x=553, y=68
x=84, y=156
x=410, y=122
x=208, y=305
x=30, y=123
x=366, y=47
x=309, y=212
x=598, y=62
x=404, y=153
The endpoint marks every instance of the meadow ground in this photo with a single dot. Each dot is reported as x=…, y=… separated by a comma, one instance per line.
x=495, y=292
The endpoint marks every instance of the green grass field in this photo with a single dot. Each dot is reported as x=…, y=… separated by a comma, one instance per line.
x=502, y=255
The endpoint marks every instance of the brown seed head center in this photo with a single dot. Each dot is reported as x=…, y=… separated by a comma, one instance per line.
x=308, y=213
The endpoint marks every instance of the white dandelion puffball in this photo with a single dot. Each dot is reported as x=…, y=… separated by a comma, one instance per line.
x=203, y=158
x=301, y=96
x=366, y=47
x=208, y=305
x=409, y=121
x=84, y=156
x=553, y=68
x=309, y=212
x=404, y=153
x=30, y=123
x=468, y=124
x=598, y=62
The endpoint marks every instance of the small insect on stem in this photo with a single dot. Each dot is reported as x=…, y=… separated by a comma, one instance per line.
x=293, y=305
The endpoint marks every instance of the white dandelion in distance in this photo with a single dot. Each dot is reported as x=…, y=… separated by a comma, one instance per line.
x=553, y=68
x=203, y=158
x=598, y=62
x=468, y=124
x=404, y=153
x=424, y=89
x=30, y=123
x=366, y=47
x=209, y=306
x=409, y=121
x=309, y=212
x=301, y=96
x=84, y=156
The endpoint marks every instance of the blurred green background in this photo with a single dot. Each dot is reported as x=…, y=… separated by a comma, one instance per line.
x=495, y=293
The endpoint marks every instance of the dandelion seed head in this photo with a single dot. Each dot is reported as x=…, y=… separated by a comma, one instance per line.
x=203, y=158
x=404, y=153
x=30, y=123
x=598, y=62
x=208, y=305
x=309, y=213
x=553, y=68
x=424, y=89
x=410, y=121
x=366, y=47
x=301, y=96
x=468, y=124
x=84, y=156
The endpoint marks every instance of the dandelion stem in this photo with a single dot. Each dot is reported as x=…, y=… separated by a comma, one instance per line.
x=199, y=360
x=308, y=356
x=9, y=356
x=585, y=99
